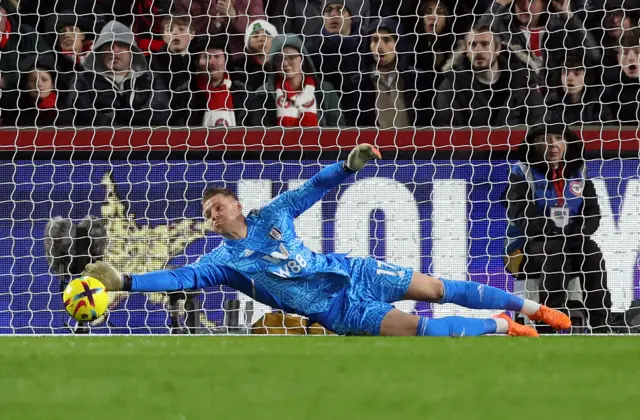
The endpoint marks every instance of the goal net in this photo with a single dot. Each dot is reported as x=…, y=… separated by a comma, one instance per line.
x=117, y=115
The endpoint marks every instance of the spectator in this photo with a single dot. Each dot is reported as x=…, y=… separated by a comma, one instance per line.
x=553, y=210
x=608, y=27
x=217, y=99
x=386, y=93
x=339, y=50
x=48, y=99
x=306, y=18
x=173, y=63
x=434, y=48
x=149, y=21
x=293, y=95
x=229, y=16
x=488, y=87
x=623, y=84
x=72, y=37
x=541, y=32
x=124, y=91
x=579, y=99
x=17, y=42
x=257, y=42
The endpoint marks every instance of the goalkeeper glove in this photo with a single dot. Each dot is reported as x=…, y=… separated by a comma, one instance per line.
x=361, y=155
x=109, y=276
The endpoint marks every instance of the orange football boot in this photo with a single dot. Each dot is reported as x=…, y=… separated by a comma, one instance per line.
x=517, y=330
x=554, y=318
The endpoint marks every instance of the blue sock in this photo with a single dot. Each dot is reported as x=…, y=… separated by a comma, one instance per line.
x=455, y=326
x=478, y=296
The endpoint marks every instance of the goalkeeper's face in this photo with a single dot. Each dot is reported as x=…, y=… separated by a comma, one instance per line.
x=224, y=213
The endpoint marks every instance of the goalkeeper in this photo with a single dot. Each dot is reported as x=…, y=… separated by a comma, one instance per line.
x=262, y=256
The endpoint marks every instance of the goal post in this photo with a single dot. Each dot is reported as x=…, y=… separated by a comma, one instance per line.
x=434, y=207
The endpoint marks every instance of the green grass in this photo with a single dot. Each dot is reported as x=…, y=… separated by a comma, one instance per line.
x=178, y=378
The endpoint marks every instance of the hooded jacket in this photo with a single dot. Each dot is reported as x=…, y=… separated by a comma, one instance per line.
x=142, y=99
x=463, y=101
x=262, y=102
x=527, y=220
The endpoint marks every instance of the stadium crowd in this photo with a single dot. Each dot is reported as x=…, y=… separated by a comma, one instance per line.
x=330, y=63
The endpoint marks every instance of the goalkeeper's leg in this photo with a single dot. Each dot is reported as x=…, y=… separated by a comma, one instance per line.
x=398, y=323
x=479, y=296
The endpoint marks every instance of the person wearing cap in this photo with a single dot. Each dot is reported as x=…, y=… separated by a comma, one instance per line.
x=72, y=36
x=257, y=45
x=123, y=90
x=578, y=98
x=293, y=94
x=552, y=211
x=217, y=99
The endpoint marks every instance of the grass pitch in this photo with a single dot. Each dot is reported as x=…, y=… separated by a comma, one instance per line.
x=189, y=378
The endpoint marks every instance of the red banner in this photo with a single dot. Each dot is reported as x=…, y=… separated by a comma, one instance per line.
x=277, y=139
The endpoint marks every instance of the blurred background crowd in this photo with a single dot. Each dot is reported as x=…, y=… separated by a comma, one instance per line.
x=330, y=63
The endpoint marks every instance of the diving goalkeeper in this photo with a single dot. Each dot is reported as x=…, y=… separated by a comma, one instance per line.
x=262, y=256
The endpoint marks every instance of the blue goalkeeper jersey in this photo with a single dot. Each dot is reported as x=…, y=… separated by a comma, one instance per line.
x=272, y=264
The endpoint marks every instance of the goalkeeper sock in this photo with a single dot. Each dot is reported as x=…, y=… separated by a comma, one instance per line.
x=479, y=296
x=456, y=326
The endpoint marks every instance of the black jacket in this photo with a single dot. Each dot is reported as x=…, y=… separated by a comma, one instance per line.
x=177, y=73
x=72, y=107
x=521, y=208
x=622, y=95
x=589, y=110
x=143, y=99
x=463, y=101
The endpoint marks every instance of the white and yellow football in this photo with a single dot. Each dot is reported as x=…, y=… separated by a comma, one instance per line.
x=85, y=298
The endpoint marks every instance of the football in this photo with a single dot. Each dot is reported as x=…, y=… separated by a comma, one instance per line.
x=85, y=298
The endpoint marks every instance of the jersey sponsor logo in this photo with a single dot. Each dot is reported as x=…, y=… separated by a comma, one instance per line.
x=576, y=187
x=275, y=234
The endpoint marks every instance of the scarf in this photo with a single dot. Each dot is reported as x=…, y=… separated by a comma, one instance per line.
x=79, y=58
x=6, y=34
x=48, y=103
x=296, y=109
x=219, y=102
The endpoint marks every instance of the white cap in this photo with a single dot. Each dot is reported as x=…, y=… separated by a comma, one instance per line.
x=257, y=25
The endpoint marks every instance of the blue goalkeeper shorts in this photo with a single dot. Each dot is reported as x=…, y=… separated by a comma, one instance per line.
x=358, y=309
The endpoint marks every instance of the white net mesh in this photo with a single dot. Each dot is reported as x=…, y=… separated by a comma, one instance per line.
x=117, y=114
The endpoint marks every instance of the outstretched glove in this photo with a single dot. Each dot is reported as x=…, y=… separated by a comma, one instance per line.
x=109, y=276
x=360, y=155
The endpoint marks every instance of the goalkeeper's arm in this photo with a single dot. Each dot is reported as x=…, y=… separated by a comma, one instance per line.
x=193, y=276
x=299, y=200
